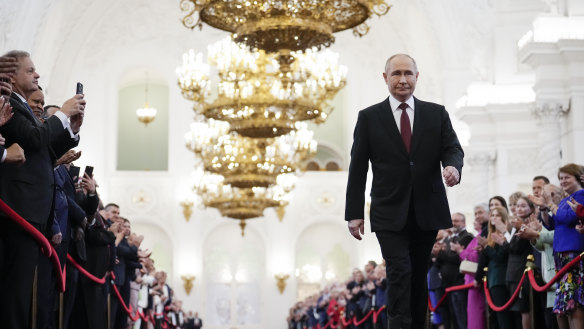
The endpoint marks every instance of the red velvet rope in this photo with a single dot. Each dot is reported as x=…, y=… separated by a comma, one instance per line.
x=61, y=276
x=50, y=252
x=358, y=323
x=346, y=323
x=45, y=245
x=128, y=310
x=376, y=313
x=511, y=300
x=84, y=271
x=434, y=308
x=556, y=277
x=449, y=289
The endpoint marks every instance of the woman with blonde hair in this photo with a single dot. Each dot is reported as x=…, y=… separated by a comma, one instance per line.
x=494, y=256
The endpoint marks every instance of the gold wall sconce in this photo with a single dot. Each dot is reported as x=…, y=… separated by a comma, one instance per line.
x=188, y=282
x=281, y=281
x=187, y=206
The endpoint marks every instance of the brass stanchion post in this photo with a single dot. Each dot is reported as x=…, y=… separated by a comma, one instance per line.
x=530, y=265
x=60, y=310
x=34, y=298
x=109, y=311
x=487, y=309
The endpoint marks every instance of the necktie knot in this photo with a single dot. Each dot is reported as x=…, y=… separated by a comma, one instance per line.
x=403, y=106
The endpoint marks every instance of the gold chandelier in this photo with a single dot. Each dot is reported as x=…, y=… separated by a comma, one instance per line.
x=283, y=25
x=241, y=203
x=257, y=94
x=248, y=162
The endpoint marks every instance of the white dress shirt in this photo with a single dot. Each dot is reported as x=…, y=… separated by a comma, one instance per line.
x=397, y=112
x=59, y=114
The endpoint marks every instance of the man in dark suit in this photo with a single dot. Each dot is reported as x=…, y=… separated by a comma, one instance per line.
x=29, y=188
x=406, y=140
x=449, y=263
x=198, y=323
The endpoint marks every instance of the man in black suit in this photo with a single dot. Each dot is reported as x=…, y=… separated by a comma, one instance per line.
x=197, y=322
x=449, y=263
x=29, y=188
x=406, y=140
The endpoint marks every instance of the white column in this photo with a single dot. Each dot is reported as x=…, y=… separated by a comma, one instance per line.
x=549, y=156
x=480, y=162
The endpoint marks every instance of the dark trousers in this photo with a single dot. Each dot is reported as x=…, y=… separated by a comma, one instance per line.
x=70, y=294
x=90, y=309
x=19, y=255
x=500, y=296
x=457, y=306
x=407, y=258
x=46, y=294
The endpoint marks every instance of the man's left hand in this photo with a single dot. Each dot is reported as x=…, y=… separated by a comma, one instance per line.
x=356, y=226
x=451, y=176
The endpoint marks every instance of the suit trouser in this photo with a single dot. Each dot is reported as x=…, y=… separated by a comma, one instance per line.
x=407, y=257
x=458, y=303
x=19, y=259
x=46, y=294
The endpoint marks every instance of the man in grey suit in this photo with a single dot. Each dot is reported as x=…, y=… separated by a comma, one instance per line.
x=406, y=140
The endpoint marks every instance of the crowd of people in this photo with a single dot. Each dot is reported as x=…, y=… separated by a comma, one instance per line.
x=355, y=298
x=548, y=224
x=40, y=183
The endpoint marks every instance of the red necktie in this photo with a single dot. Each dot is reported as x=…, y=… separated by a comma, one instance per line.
x=404, y=124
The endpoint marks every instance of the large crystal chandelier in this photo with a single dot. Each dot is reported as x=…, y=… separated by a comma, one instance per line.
x=258, y=95
x=283, y=25
x=250, y=137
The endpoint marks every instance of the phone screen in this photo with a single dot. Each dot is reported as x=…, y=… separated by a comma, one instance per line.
x=79, y=89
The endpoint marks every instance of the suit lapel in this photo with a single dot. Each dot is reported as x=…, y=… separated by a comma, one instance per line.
x=23, y=109
x=387, y=120
x=419, y=112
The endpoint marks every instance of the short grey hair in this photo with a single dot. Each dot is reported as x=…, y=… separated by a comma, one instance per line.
x=483, y=205
x=16, y=54
x=461, y=215
x=397, y=55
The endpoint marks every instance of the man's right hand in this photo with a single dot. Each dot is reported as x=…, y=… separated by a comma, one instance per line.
x=356, y=228
x=74, y=105
x=8, y=64
x=15, y=154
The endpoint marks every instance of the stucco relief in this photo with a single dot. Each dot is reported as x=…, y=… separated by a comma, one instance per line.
x=521, y=160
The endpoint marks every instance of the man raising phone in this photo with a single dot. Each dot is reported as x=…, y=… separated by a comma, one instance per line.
x=29, y=188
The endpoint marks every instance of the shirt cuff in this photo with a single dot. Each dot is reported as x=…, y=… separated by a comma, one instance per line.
x=65, y=122
x=3, y=156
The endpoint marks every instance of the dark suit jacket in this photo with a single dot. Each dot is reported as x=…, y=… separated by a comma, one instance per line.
x=126, y=254
x=29, y=188
x=495, y=258
x=399, y=176
x=518, y=250
x=197, y=324
x=70, y=212
x=2, y=149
